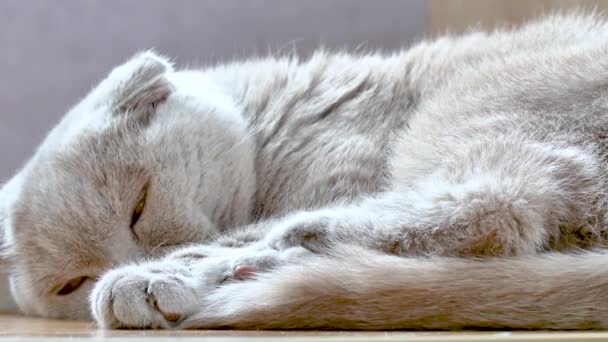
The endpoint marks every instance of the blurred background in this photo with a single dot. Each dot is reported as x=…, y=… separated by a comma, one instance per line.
x=53, y=52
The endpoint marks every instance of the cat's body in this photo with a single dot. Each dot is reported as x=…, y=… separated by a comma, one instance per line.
x=483, y=145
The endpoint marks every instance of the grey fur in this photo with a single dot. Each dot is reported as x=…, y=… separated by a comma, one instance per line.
x=348, y=169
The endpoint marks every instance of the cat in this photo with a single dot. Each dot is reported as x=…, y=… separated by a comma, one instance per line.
x=457, y=183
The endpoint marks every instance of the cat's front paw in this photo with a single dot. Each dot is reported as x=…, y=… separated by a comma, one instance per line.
x=313, y=232
x=145, y=296
x=161, y=294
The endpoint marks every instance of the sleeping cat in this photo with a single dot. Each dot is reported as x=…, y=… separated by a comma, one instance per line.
x=343, y=191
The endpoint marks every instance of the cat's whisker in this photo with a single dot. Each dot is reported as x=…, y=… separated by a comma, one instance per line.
x=152, y=252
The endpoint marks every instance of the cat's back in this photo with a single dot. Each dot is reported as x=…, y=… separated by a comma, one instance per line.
x=325, y=125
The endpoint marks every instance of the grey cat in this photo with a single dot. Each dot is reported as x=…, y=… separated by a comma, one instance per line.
x=449, y=185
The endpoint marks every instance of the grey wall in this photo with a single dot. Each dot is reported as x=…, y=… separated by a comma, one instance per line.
x=53, y=52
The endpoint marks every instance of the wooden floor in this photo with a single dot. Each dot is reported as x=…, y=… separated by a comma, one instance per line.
x=16, y=328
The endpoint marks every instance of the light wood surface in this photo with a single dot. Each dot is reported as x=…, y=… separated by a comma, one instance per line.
x=18, y=328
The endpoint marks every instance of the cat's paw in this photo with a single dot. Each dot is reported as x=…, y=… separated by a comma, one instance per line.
x=240, y=237
x=313, y=232
x=217, y=265
x=162, y=293
x=145, y=296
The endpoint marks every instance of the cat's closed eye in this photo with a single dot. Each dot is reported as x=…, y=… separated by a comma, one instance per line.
x=139, y=207
x=72, y=286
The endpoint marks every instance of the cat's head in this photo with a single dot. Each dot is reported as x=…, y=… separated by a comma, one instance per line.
x=151, y=158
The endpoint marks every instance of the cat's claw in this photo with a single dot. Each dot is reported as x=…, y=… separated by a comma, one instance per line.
x=243, y=272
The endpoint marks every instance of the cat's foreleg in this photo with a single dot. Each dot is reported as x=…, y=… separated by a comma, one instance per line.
x=503, y=198
x=161, y=293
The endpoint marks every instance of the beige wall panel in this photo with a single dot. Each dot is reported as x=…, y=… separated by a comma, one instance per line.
x=458, y=15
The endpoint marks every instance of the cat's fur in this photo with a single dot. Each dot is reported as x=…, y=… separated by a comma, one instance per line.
x=372, y=180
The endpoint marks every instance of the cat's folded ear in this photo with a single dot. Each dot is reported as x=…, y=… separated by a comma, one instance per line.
x=135, y=87
x=144, y=83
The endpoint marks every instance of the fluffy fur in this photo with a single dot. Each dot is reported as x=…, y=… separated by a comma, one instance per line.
x=421, y=189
